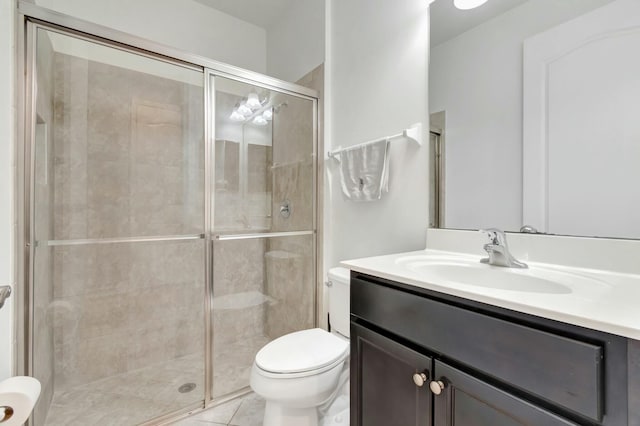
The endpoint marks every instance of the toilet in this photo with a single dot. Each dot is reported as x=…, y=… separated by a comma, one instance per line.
x=300, y=373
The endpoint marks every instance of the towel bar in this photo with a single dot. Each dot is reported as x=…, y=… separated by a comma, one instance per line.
x=413, y=133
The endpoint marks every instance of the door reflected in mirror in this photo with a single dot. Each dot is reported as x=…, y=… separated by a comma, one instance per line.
x=535, y=107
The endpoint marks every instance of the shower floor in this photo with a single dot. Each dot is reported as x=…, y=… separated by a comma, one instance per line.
x=140, y=395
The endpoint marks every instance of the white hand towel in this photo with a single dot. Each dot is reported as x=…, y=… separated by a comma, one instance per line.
x=364, y=171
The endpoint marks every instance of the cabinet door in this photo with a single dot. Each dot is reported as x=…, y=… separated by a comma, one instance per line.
x=464, y=400
x=389, y=382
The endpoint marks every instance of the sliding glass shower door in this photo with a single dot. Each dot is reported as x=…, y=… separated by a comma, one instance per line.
x=171, y=228
x=263, y=224
x=118, y=275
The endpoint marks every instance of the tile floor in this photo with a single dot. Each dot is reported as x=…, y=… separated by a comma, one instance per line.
x=249, y=411
x=243, y=411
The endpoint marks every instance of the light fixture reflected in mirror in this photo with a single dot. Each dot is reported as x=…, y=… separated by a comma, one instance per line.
x=468, y=4
x=260, y=121
x=252, y=109
x=236, y=116
x=253, y=101
x=244, y=110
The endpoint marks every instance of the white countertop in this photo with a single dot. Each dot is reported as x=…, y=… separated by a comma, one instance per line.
x=612, y=306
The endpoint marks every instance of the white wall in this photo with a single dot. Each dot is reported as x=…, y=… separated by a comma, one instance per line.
x=477, y=79
x=617, y=255
x=376, y=65
x=296, y=41
x=183, y=24
x=7, y=114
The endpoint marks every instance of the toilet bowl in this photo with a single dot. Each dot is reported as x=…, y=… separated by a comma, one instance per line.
x=301, y=372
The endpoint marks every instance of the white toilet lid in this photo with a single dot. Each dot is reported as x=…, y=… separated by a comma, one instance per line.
x=301, y=351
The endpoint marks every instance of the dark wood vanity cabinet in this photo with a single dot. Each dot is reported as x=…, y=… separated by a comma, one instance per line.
x=466, y=400
x=383, y=367
x=425, y=358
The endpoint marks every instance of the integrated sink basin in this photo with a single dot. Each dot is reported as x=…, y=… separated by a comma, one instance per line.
x=593, y=298
x=460, y=272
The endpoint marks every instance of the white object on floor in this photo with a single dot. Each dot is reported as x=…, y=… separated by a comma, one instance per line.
x=18, y=396
x=364, y=171
x=303, y=371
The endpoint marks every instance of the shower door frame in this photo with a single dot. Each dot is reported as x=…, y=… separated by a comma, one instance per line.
x=30, y=18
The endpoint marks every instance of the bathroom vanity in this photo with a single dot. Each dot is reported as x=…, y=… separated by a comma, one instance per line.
x=430, y=352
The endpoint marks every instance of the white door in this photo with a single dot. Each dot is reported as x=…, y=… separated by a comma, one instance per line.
x=581, y=151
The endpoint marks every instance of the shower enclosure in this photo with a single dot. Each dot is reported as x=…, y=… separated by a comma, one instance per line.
x=169, y=223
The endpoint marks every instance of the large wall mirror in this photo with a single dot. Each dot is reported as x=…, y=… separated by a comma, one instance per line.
x=535, y=116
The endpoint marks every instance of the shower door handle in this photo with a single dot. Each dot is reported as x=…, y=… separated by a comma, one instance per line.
x=5, y=292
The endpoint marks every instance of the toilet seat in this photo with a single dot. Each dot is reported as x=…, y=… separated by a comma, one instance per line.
x=303, y=353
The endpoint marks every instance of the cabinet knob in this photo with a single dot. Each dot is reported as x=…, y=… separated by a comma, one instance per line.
x=420, y=379
x=437, y=387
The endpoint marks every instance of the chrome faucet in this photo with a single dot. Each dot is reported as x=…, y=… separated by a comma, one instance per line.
x=498, y=250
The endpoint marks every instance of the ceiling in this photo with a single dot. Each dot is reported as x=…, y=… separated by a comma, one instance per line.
x=262, y=13
x=448, y=22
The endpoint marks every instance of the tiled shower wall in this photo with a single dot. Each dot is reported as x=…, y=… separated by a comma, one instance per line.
x=128, y=162
x=238, y=312
x=128, y=153
x=290, y=274
x=242, y=191
x=269, y=280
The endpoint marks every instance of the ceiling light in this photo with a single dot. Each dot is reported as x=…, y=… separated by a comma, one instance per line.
x=260, y=121
x=468, y=4
x=252, y=101
x=268, y=114
x=236, y=116
x=244, y=110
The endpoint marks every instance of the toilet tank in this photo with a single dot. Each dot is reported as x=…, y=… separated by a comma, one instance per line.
x=339, y=296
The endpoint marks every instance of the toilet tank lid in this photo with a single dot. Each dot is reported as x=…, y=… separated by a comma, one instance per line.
x=301, y=351
x=340, y=274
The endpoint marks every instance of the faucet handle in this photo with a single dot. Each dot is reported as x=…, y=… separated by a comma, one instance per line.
x=496, y=236
x=528, y=229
